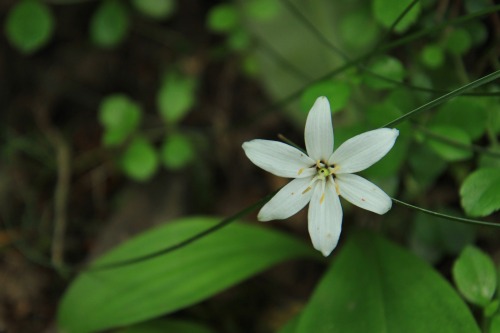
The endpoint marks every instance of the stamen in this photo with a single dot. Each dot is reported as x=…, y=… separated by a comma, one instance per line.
x=307, y=190
x=337, y=189
x=300, y=171
x=322, y=198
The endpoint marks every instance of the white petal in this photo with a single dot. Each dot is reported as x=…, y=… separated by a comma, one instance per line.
x=279, y=158
x=288, y=201
x=361, y=151
x=319, y=130
x=362, y=193
x=325, y=217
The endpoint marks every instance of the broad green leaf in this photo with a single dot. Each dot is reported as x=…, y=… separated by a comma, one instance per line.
x=447, y=151
x=223, y=18
x=157, y=9
x=109, y=24
x=139, y=161
x=291, y=325
x=166, y=326
x=432, y=56
x=480, y=192
x=465, y=113
x=475, y=276
x=173, y=281
x=492, y=308
x=376, y=286
x=120, y=117
x=426, y=165
x=177, y=151
x=387, y=67
x=495, y=324
x=458, y=42
x=337, y=92
x=29, y=25
x=176, y=96
x=387, y=11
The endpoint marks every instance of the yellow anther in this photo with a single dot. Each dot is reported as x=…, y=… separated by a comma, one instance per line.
x=307, y=190
x=322, y=198
x=337, y=189
x=300, y=171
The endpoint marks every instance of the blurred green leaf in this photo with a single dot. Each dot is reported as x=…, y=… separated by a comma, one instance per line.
x=465, y=113
x=446, y=151
x=167, y=326
x=337, y=92
x=495, y=324
x=458, y=42
x=173, y=281
x=223, y=18
x=157, y=9
x=432, y=56
x=109, y=24
x=120, y=117
x=239, y=40
x=378, y=287
x=425, y=165
x=262, y=10
x=29, y=25
x=387, y=11
x=491, y=308
x=140, y=160
x=431, y=238
x=176, y=96
x=475, y=276
x=387, y=67
x=480, y=192
x=177, y=151
x=358, y=29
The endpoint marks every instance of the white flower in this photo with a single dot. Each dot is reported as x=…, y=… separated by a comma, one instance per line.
x=323, y=175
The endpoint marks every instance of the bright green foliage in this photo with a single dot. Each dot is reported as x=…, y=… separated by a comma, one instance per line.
x=480, y=192
x=140, y=160
x=387, y=11
x=491, y=308
x=173, y=281
x=337, y=92
x=262, y=10
x=176, y=96
x=167, y=326
x=29, y=25
x=388, y=67
x=378, y=287
x=358, y=29
x=223, y=18
x=109, y=24
x=445, y=150
x=177, y=151
x=458, y=42
x=157, y=9
x=432, y=56
x=475, y=276
x=120, y=117
x=431, y=237
x=465, y=113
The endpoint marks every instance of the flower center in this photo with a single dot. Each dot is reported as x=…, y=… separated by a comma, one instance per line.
x=323, y=173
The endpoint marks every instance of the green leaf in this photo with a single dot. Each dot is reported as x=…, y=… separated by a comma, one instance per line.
x=239, y=39
x=120, y=117
x=447, y=151
x=458, y=42
x=465, y=113
x=387, y=11
x=337, y=92
x=173, y=281
x=480, y=192
x=177, y=151
x=358, y=29
x=176, y=96
x=491, y=308
x=139, y=161
x=167, y=326
x=495, y=324
x=426, y=165
x=387, y=67
x=432, y=56
x=29, y=25
x=157, y=9
x=262, y=10
x=223, y=18
x=109, y=24
x=378, y=287
x=475, y=276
